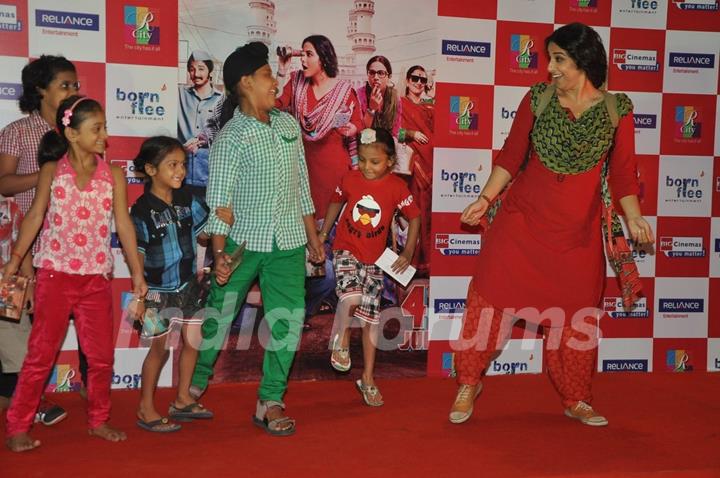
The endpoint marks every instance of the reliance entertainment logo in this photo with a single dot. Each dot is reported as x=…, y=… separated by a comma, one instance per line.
x=449, y=306
x=67, y=20
x=10, y=91
x=466, y=48
x=687, y=306
x=691, y=60
x=625, y=365
x=645, y=121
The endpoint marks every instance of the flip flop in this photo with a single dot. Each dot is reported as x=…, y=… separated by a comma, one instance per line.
x=156, y=426
x=368, y=393
x=187, y=413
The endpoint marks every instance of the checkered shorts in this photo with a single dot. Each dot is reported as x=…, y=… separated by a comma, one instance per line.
x=355, y=278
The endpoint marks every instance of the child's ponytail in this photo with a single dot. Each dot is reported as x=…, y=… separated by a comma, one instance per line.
x=70, y=114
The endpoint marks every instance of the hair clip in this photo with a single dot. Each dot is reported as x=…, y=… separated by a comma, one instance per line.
x=66, y=117
x=69, y=112
x=368, y=136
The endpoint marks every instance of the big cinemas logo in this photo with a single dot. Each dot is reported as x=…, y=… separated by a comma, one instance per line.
x=458, y=244
x=697, y=5
x=523, y=55
x=67, y=20
x=9, y=20
x=682, y=246
x=141, y=28
x=613, y=306
x=464, y=51
x=463, y=116
x=636, y=60
x=128, y=167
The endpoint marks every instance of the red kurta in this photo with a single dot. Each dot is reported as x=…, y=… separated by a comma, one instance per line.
x=328, y=158
x=545, y=248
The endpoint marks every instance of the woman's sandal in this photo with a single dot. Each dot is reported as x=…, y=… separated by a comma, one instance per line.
x=370, y=393
x=275, y=426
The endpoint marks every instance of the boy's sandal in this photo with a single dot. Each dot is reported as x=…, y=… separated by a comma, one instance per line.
x=161, y=425
x=189, y=412
x=370, y=393
x=282, y=426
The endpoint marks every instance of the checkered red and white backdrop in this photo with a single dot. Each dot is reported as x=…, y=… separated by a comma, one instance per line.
x=664, y=55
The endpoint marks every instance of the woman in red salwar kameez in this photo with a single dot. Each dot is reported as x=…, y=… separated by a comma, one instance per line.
x=544, y=251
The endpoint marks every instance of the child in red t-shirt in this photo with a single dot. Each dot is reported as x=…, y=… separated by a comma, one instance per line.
x=372, y=195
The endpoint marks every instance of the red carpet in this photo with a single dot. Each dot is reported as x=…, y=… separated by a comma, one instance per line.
x=664, y=425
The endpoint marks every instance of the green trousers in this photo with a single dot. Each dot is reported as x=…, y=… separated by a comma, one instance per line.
x=282, y=283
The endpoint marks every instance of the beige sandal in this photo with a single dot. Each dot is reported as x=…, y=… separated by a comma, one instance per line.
x=275, y=426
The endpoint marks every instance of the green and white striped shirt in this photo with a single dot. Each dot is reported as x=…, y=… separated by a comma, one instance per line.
x=260, y=170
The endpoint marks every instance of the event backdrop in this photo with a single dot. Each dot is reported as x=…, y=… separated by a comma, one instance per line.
x=664, y=54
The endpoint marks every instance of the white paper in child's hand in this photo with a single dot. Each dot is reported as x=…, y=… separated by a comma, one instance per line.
x=385, y=262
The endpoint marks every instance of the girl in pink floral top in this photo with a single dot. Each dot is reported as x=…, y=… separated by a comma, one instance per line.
x=77, y=195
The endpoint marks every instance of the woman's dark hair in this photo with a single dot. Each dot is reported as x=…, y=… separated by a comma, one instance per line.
x=383, y=137
x=54, y=144
x=410, y=72
x=385, y=118
x=154, y=150
x=39, y=74
x=585, y=47
x=326, y=52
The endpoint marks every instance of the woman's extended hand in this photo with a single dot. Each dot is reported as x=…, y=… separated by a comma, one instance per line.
x=640, y=231
x=474, y=212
